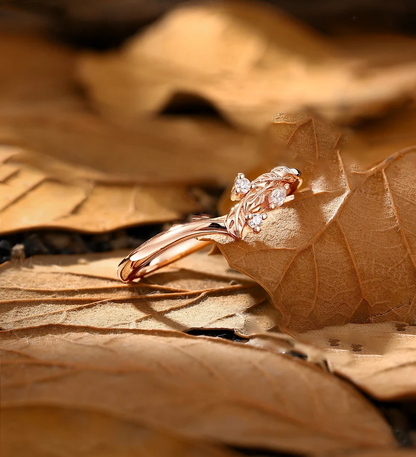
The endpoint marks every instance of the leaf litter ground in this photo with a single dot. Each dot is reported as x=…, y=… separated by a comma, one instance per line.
x=86, y=356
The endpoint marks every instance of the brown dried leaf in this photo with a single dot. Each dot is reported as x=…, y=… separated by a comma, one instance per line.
x=246, y=59
x=59, y=195
x=36, y=76
x=38, y=431
x=344, y=252
x=89, y=174
x=197, y=292
x=379, y=358
x=249, y=397
x=154, y=151
x=47, y=113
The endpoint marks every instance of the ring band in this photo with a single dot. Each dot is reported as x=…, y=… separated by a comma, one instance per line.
x=254, y=198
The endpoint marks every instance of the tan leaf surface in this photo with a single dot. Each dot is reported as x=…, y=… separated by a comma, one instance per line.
x=36, y=76
x=246, y=59
x=198, y=292
x=47, y=113
x=63, y=196
x=344, y=252
x=378, y=358
x=178, y=150
x=249, y=397
x=39, y=431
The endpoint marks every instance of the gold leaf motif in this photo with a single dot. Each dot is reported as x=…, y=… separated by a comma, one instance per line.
x=256, y=199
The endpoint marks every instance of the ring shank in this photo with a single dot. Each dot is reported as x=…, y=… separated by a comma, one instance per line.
x=181, y=240
x=169, y=246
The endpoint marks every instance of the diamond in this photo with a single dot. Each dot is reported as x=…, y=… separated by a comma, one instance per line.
x=242, y=185
x=256, y=221
x=277, y=197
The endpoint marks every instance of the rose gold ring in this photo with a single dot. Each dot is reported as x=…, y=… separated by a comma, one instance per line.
x=255, y=198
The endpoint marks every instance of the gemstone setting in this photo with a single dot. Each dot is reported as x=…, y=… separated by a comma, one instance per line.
x=255, y=221
x=242, y=185
x=277, y=197
x=256, y=198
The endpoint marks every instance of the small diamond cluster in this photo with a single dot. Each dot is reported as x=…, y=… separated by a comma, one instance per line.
x=276, y=198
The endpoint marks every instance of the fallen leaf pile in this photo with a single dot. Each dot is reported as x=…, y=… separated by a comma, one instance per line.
x=298, y=340
x=72, y=169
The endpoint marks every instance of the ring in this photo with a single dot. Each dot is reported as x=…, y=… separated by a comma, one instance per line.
x=255, y=199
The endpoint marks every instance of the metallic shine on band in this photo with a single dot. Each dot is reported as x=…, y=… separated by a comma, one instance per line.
x=254, y=199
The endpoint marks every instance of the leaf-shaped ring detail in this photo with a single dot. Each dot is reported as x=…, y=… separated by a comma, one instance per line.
x=255, y=200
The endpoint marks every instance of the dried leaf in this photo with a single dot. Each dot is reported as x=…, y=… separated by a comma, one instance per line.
x=154, y=151
x=47, y=113
x=344, y=251
x=36, y=76
x=49, y=430
x=92, y=175
x=198, y=387
x=197, y=292
x=379, y=358
x=33, y=196
x=246, y=59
